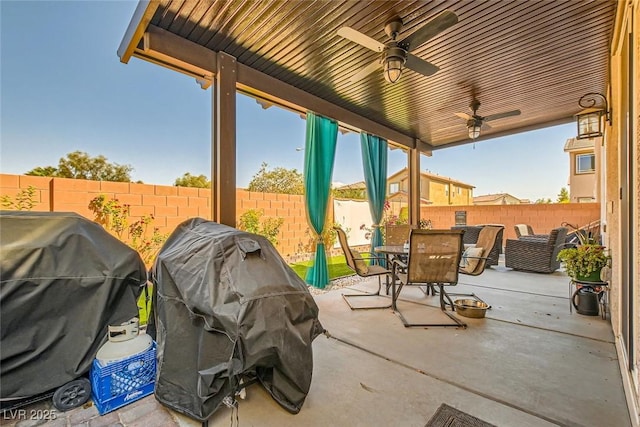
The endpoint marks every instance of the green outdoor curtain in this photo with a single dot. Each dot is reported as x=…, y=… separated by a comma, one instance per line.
x=319, y=154
x=374, y=163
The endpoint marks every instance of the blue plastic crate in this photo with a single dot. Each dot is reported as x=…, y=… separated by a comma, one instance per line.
x=120, y=383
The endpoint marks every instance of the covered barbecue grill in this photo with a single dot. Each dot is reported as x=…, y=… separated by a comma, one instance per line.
x=229, y=309
x=64, y=280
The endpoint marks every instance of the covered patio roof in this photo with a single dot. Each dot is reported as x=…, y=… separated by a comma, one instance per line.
x=538, y=57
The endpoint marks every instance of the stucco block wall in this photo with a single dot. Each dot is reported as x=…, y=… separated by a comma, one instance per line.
x=11, y=185
x=172, y=205
x=295, y=237
x=542, y=217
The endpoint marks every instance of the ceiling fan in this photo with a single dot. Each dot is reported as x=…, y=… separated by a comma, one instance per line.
x=395, y=53
x=476, y=122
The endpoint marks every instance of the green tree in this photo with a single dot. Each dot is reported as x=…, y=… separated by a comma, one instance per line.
x=563, y=196
x=188, y=180
x=80, y=165
x=43, y=171
x=277, y=180
x=350, y=193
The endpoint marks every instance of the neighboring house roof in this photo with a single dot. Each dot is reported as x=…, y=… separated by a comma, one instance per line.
x=432, y=176
x=360, y=185
x=403, y=195
x=494, y=197
x=574, y=144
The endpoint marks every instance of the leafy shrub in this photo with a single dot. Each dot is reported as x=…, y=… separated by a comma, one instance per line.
x=140, y=235
x=253, y=221
x=25, y=200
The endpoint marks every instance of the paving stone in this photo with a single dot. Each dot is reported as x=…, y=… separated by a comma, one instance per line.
x=60, y=421
x=139, y=409
x=157, y=418
x=84, y=414
x=110, y=419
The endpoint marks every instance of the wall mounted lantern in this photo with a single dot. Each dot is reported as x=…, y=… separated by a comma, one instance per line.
x=589, y=120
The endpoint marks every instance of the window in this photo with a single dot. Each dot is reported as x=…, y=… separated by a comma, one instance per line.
x=586, y=199
x=446, y=189
x=459, y=190
x=394, y=187
x=585, y=163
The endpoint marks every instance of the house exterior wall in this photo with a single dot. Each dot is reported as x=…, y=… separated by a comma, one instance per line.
x=440, y=192
x=583, y=185
x=624, y=132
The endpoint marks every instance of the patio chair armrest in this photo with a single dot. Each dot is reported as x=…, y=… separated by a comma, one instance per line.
x=370, y=255
x=397, y=262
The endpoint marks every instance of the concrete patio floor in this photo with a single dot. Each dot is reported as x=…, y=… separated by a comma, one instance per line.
x=528, y=363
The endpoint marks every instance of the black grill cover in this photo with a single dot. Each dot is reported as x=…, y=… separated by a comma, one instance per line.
x=227, y=307
x=64, y=279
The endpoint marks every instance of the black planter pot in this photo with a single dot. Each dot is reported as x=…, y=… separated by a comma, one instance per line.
x=585, y=301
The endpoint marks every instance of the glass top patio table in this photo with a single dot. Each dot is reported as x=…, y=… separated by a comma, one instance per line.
x=392, y=250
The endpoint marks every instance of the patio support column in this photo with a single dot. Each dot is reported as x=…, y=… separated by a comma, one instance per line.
x=223, y=141
x=414, y=186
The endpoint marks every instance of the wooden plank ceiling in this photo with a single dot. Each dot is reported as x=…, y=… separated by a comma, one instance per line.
x=536, y=56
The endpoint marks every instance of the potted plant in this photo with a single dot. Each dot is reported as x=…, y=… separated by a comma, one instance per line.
x=585, y=260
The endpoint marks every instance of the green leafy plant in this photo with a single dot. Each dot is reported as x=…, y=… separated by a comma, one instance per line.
x=140, y=235
x=584, y=259
x=25, y=200
x=587, y=255
x=254, y=222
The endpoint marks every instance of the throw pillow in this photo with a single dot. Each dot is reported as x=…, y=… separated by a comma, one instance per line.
x=470, y=259
x=361, y=265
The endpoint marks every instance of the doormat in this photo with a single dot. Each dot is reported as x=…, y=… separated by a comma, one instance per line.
x=447, y=416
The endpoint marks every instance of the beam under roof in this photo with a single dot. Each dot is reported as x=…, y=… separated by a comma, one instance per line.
x=169, y=50
x=140, y=20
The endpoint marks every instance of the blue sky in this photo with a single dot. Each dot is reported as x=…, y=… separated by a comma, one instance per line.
x=63, y=89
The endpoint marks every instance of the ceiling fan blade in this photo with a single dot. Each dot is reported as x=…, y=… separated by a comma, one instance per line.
x=464, y=116
x=459, y=126
x=437, y=25
x=374, y=66
x=503, y=115
x=420, y=65
x=362, y=39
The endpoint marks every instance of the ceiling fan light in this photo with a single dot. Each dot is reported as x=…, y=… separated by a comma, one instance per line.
x=392, y=69
x=474, y=130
